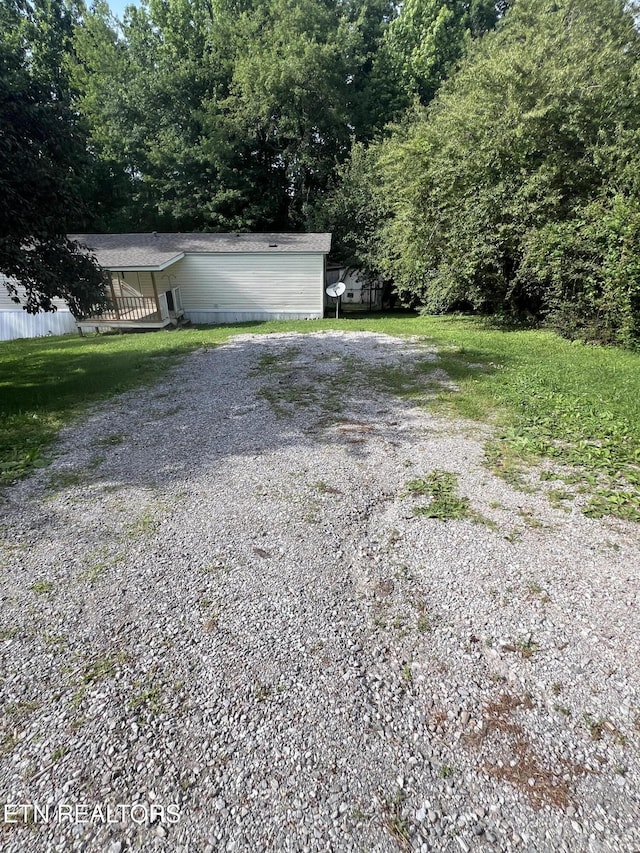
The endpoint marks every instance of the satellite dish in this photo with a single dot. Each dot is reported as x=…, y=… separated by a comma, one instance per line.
x=336, y=289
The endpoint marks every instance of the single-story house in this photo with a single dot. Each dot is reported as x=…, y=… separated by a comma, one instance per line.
x=205, y=278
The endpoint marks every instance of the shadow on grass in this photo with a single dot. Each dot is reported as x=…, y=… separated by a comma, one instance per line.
x=547, y=386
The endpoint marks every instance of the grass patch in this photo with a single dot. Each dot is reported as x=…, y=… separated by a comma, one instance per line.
x=102, y=668
x=148, y=697
x=42, y=587
x=441, y=487
x=112, y=440
x=286, y=399
x=396, y=822
x=97, y=568
x=65, y=478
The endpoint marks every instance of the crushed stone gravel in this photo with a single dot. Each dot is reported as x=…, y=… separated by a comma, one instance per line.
x=225, y=628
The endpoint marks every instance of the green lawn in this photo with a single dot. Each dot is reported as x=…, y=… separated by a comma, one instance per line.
x=548, y=397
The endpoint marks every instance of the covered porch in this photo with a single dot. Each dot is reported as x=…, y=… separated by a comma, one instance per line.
x=140, y=297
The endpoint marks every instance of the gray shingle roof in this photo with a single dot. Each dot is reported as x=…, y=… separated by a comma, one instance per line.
x=154, y=251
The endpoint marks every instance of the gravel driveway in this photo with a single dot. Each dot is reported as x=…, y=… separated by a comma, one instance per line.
x=225, y=628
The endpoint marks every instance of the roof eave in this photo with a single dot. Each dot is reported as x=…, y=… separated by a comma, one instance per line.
x=157, y=268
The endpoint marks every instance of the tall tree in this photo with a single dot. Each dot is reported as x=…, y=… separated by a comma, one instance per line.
x=287, y=104
x=429, y=37
x=518, y=166
x=42, y=154
x=227, y=115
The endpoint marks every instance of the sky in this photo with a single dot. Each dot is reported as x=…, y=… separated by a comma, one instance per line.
x=117, y=6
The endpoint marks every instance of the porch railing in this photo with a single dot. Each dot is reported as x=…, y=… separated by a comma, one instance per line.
x=128, y=308
x=140, y=309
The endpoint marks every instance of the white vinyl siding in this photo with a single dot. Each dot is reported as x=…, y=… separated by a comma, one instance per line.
x=256, y=284
x=16, y=323
x=19, y=324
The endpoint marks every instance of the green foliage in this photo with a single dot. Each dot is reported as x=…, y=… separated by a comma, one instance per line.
x=441, y=487
x=517, y=189
x=354, y=211
x=225, y=116
x=429, y=37
x=42, y=155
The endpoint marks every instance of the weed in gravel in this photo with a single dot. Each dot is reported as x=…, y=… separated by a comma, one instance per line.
x=441, y=487
x=102, y=667
x=269, y=361
x=395, y=536
x=65, y=478
x=597, y=728
x=78, y=697
x=15, y=718
x=95, y=462
x=59, y=753
x=42, y=587
x=530, y=519
x=111, y=440
x=506, y=463
x=536, y=591
x=263, y=692
x=96, y=570
x=54, y=641
x=558, y=497
x=527, y=647
x=622, y=503
x=286, y=397
x=148, y=697
x=396, y=823
x=594, y=727
x=217, y=566
x=407, y=674
x=446, y=771
x=400, y=624
x=19, y=711
x=144, y=525
x=279, y=362
x=325, y=489
x=8, y=633
x=423, y=625
x=169, y=413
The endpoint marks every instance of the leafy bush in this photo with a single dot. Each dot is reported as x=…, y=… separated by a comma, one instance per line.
x=516, y=190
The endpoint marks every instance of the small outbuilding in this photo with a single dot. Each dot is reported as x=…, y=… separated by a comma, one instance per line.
x=158, y=278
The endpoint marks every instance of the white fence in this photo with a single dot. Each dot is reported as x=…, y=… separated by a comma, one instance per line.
x=16, y=323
